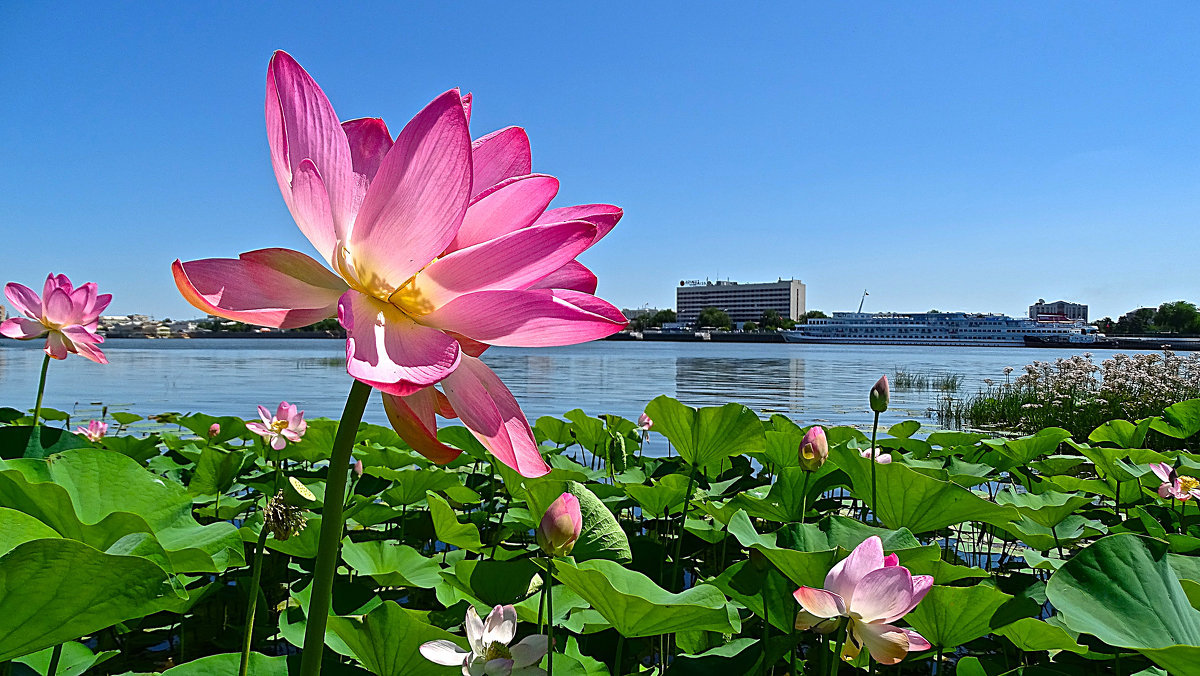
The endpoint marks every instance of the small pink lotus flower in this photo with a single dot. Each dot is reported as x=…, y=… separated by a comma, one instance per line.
x=69, y=315
x=881, y=394
x=358, y=467
x=94, y=431
x=881, y=456
x=490, y=653
x=814, y=449
x=871, y=591
x=214, y=430
x=437, y=247
x=286, y=425
x=1175, y=485
x=560, y=527
x=645, y=423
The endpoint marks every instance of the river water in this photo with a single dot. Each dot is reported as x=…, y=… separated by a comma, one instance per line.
x=810, y=383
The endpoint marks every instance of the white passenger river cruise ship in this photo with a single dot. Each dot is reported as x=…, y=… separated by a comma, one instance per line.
x=938, y=328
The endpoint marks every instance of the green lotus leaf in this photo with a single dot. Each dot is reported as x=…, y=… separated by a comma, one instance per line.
x=601, y=536
x=217, y=469
x=387, y=641
x=1047, y=509
x=43, y=602
x=587, y=430
x=391, y=564
x=1033, y=634
x=916, y=501
x=1122, y=590
x=785, y=499
x=228, y=663
x=950, y=616
x=141, y=449
x=904, y=430
x=231, y=427
x=1121, y=433
x=705, y=437
x=495, y=583
x=17, y=528
x=664, y=497
x=37, y=442
x=783, y=447
x=635, y=606
x=557, y=432
x=76, y=658
x=744, y=583
x=1027, y=449
x=1068, y=531
x=409, y=486
x=98, y=496
x=1180, y=420
x=448, y=528
x=316, y=444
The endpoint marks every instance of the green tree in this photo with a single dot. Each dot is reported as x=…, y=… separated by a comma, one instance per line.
x=749, y=326
x=1137, y=322
x=771, y=320
x=663, y=317
x=715, y=318
x=812, y=314
x=1178, y=317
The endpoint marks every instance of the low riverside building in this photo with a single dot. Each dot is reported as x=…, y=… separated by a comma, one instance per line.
x=742, y=302
x=1059, y=309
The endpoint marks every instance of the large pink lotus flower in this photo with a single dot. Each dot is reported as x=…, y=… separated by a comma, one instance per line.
x=871, y=591
x=439, y=247
x=1175, y=485
x=69, y=315
x=286, y=425
x=94, y=431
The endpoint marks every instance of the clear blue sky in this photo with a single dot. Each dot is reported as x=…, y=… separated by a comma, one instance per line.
x=971, y=156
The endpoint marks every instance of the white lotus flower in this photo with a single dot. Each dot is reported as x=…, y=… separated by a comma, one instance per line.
x=490, y=654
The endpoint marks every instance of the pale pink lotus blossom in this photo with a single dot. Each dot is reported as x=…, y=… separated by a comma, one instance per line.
x=490, y=653
x=1175, y=485
x=66, y=315
x=881, y=456
x=871, y=592
x=645, y=423
x=94, y=431
x=561, y=526
x=440, y=247
x=286, y=425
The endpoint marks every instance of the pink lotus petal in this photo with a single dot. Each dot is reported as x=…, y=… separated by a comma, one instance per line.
x=369, y=141
x=883, y=593
x=572, y=276
x=24, y=300
x=500, y=155
x=311, y=209
x=507, y=207
x=512, y=261
x=529, y=650
x=59, y=309
x=301, y=124
x=500, y=625
x=845, y=574
x=259, y=429
x=820, y=602
x=891, y=560
x=60, y=282
x=921, y=585
x=915, y=640
x=535, y=318
x=57, y=345
x=886, y=643
x=592, y=304
x=465, y=99
x=444, y=652
x=417, y=200
x=473, y=626
x=413, y=419
x=22, y=328
x=1162, y=470
x=603, y=216
x=89, y=351
x=386, y=349
x=268, y=287
x=492, y=414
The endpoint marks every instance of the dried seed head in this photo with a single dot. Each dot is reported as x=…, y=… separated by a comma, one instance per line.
x=282, y=519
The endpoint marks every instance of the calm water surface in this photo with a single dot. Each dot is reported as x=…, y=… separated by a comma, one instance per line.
x=810, y=383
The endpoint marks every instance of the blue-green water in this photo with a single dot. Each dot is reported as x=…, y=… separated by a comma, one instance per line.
x=810, y=383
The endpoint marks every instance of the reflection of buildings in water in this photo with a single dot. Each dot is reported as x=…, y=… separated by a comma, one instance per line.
x=761, y=384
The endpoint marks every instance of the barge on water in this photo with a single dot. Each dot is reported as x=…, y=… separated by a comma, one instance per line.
x=938, y=328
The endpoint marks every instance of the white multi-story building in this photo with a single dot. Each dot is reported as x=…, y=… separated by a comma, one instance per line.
x=742, y=302
x=1059, y=308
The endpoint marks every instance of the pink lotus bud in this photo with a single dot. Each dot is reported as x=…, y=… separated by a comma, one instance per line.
x=358, y=467
x=561, y=526
x=214, y=430
x=881, y=394
x=814, y=449
x=644, y=422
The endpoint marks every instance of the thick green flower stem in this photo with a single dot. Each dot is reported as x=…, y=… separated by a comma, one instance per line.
x=874, y=463
x=804, y=499
x=687, y=501
x=792, y=632
x=835, y=660
x=37, y=407
x=255, y=582
x=54, y=658
x=331, y=529
x=549, y=616
x=766, y=633
x=620, y=652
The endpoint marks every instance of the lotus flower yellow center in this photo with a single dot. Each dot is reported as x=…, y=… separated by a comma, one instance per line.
x=496, y=651
x=1188, y=484
x=407, y=298
x=279, y=426
x=807, y=452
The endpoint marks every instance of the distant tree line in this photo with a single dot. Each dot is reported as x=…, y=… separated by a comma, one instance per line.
x=1179, y=318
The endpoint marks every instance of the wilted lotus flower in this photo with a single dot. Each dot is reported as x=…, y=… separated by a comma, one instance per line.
x=489, y=652
x=814, y=449
x=94, y=431
x=69, y=315
x=286, y=425
x=881, y=394
x=560, y=527
x=1175, y=485
x=437, y=248
x=881, y=456
x=871, y=591
x=645, y=423
x=214, y=430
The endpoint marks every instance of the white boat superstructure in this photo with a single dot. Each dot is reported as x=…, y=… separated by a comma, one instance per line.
x=938, y=328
